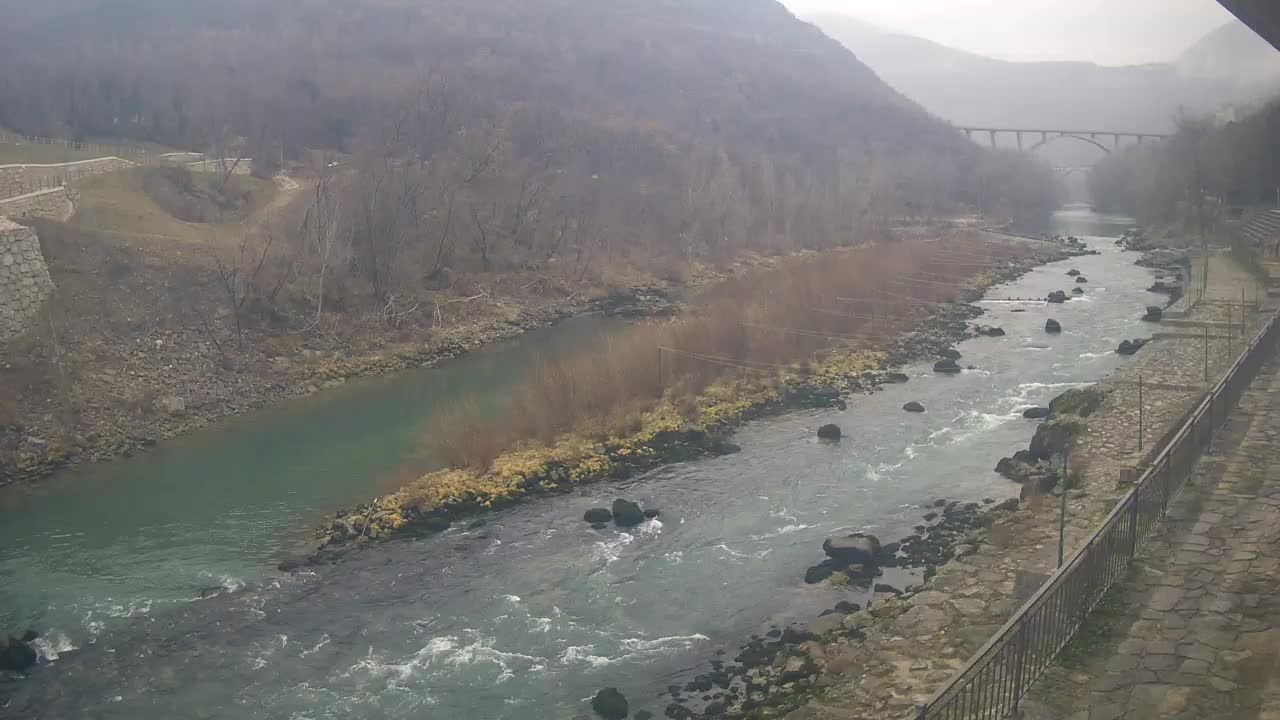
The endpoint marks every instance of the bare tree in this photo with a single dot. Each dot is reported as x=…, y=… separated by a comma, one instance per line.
x=238, y=277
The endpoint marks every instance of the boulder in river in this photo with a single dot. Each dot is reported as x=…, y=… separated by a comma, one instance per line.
x=652, y=513
x=597, y=515
x=1057, y=297
x=16, y=656
x=627, y=513
x=950, y=354
x=1130, y=347
x=1052, y=326
x=610, y=704
x=819, y=572
x=1082, y=279
x=829, y=432
x=946, y=366
x=896, y=378
x=1154, y=313
x=1077, y=291
x=1073, y=272
x=991, y=331
x=854, y=549
x=1035, y=413
x=913, y=407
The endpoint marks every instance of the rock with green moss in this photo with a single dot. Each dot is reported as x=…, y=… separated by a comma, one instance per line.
x=1078, y=401
x=1055, y=436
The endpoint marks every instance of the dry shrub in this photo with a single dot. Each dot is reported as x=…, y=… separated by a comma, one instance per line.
x=754, y=325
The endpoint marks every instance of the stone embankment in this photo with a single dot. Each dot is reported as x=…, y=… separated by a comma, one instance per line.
x=53, y=204
x=27, y=178
x=24, y=278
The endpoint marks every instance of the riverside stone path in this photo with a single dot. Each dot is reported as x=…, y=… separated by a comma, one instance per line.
x=911, y=646
x=1197, y=632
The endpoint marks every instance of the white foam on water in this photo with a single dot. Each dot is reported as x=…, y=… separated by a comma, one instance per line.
x=675, y=557
x=1090, y=356
x=784, y=530
x=611, y=549
x=753, y=556
x=493, y=547
x=675, y=642
x=52, y=644
x=324, y=640
x=583, y=655
x=515, y=599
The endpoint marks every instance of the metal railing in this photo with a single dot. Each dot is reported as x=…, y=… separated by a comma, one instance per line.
x=998, y=676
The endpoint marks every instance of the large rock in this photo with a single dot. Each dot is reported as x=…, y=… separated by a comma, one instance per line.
x=819, y=572
x=913, y=407
x=1082, y=279
x=896, y=378
x=1073, y=272
x=1154, y=314
x=1078, y=401
x=598, y=515
x=1036, y=413
x=829, y=432
x=16, y=656
x=610, y=704
x=946, y=366
x=1057, y=297
x=992, y=331
x=1052, y=326
x=950, y=354
x=856, y=549
x=1077, y=291
x=1055, y=436
x=626, y=513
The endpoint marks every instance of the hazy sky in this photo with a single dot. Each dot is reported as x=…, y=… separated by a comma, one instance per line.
x=1111, y=32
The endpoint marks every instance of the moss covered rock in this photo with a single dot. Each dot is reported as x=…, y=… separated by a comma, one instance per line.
x=1078, y=401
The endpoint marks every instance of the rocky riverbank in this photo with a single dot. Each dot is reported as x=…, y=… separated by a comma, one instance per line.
x=437, y=500
x=982, y=563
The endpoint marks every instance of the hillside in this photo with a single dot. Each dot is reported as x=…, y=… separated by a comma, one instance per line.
x=1229, y=66
x=460, y=170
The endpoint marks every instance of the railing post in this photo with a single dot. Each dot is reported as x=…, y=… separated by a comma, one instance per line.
x=1020, y=666
x=1133, y=522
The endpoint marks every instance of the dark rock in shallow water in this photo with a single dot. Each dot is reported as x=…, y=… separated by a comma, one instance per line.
x=1052, y=326
x=829, y=432
x=950, y=354
x=16, y=656
x=651, y=513
x=946, y=366
x=896, y=378
x=1082, y=279
x=1035, y=413
x=913, y=407
x=992, y=331
x=819, y=572
x=1154, y=314
x=1073, y=272
x=1130, y=347
x=599, y=526
x=627, y=513
x=597, y=515
x=1077, y=291
x=610, y=704
x=1057, y=297
x=857, y=548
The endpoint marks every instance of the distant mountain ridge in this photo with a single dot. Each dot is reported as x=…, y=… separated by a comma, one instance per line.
x=1228, y=66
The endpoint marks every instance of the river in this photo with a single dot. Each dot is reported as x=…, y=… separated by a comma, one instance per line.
x=529, y=615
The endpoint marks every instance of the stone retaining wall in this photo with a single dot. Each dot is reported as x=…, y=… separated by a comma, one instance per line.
x=23, y=179
x=24, y=278
x=55, y=204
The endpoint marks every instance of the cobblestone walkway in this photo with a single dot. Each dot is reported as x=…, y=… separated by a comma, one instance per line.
x=1196, y=631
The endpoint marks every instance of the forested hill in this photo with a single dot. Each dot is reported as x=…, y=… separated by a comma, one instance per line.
x=730, y=110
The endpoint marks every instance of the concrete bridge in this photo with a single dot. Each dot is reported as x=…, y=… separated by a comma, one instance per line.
x=1040, y=137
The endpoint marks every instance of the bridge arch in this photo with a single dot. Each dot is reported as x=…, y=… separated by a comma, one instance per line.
x=1081, y=138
